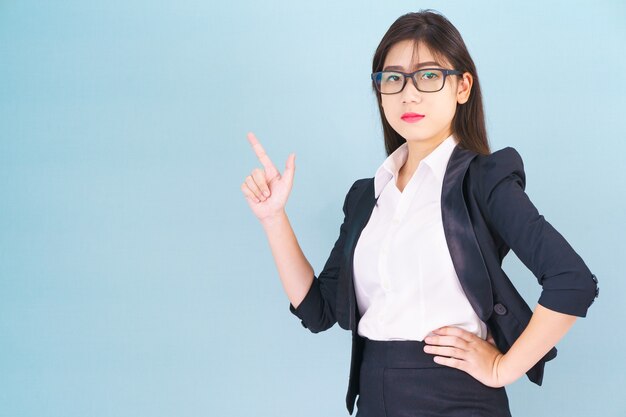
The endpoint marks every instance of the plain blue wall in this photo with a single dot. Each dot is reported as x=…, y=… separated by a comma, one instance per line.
x=134, y=279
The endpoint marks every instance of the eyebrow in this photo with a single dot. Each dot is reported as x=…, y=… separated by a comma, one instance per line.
x=399, y=67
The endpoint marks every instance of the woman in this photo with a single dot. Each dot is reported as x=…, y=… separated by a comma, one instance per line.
x=438, y=328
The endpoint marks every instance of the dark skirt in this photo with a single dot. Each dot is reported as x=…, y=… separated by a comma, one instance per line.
x=399, y=379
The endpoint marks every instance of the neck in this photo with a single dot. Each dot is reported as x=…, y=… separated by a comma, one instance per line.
x=419, y=150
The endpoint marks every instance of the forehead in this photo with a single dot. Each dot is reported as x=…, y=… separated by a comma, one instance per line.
x=409, y=55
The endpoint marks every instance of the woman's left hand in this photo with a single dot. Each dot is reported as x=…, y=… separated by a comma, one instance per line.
x=465, y=351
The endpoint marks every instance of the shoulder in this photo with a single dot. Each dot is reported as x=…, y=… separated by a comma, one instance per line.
x=503, y=164
x=361, y=182
x=357, y=188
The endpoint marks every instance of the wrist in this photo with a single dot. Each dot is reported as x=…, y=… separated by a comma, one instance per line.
x=274, y=219
x=507, y=371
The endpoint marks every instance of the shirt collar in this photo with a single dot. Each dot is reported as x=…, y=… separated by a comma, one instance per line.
x=437, y=161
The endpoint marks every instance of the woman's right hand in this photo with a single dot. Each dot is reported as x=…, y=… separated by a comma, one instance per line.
x=267, y=180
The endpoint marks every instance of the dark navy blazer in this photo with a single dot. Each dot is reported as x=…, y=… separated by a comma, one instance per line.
x=485, y=212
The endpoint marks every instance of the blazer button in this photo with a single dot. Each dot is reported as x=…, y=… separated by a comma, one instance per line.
x=500, y=309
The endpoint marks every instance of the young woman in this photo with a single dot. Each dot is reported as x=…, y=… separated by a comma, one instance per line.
x=438, y=328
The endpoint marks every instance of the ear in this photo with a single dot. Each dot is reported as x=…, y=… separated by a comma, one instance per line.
x=464, y=88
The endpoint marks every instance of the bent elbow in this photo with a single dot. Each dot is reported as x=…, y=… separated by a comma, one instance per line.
x=568, y=299
x=315, y=324
x=314, y=311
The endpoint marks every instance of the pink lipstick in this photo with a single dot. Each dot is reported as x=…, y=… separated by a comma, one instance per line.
x=412, y=117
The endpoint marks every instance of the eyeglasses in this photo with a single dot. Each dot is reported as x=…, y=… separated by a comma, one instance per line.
x=426, y=80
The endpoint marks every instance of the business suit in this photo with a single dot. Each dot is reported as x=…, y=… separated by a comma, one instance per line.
x=485, y=212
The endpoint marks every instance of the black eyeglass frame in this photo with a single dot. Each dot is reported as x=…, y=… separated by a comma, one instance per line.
x=411, y=75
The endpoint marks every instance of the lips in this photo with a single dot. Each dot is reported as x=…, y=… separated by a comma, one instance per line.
x=412, y=117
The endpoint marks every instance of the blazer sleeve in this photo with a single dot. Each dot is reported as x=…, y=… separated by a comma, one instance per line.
x=317, y=309
x=568, y=285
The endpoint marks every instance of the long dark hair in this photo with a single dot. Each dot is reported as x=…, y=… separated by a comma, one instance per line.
x=434, y=31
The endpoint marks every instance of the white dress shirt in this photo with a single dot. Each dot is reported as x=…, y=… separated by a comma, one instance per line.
x=405, y=282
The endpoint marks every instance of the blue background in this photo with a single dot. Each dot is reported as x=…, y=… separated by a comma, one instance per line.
x=134, y=279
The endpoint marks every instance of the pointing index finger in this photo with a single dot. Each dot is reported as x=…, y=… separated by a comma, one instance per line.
x=261, y=154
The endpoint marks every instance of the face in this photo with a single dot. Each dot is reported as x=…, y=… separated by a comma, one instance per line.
x=438, y=107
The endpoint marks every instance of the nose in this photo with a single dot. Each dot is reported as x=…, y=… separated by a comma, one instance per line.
x=410, y=91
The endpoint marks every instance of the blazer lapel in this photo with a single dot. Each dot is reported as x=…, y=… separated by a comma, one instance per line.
x=457, y=226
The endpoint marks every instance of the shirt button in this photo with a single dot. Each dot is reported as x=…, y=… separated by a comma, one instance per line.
x=385, y=284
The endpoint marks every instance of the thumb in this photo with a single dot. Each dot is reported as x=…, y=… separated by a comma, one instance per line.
x=290, y=167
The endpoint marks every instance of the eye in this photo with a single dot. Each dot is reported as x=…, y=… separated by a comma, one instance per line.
x=429, y=75
x=393, y=77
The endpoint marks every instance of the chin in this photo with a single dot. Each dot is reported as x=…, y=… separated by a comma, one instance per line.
x=413, y=133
